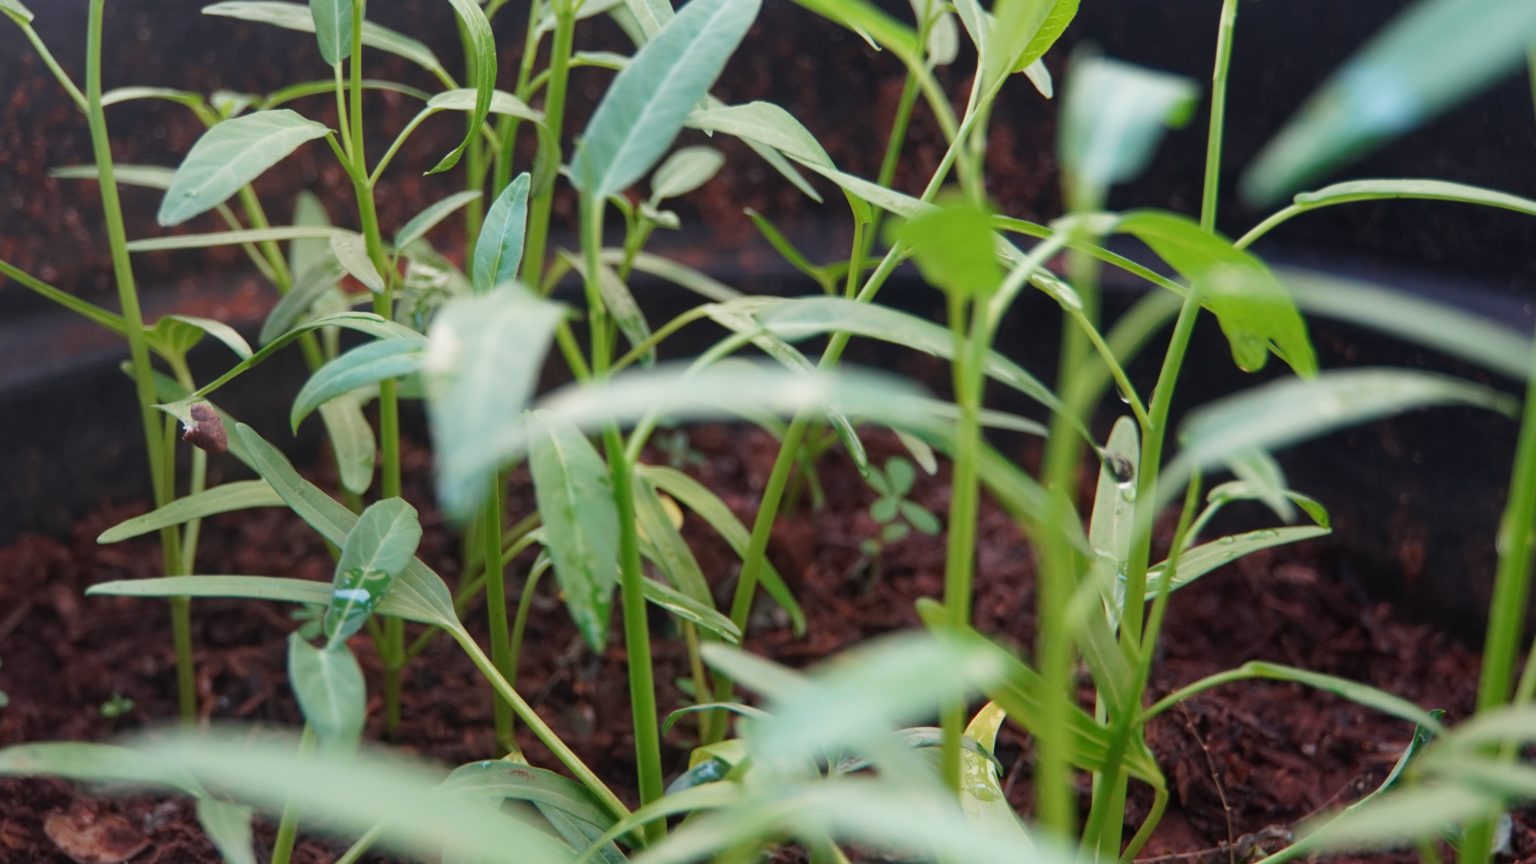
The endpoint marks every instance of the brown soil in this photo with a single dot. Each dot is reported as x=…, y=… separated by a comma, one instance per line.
x=1244, y=761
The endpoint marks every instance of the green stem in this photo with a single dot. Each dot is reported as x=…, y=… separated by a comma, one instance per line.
x=161, y=470
x=474, y=159
x=1511, y=592
x=554, y=120
x=496, y=603
x=288, y=824
x=637, y=634
x=1218, y=114
x=63, y=78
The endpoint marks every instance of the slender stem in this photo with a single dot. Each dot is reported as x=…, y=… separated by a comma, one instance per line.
x=161, y=469
x=53, y=66
x=554, y=120
x=637, y=634
x=561, y=751
x=1218, y=114
x=475, y=158
x=496, y=602
x=360, y=847
x=288, y=824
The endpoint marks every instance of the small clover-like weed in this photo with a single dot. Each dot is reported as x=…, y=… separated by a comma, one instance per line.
x=897, y=515
x=117, y=706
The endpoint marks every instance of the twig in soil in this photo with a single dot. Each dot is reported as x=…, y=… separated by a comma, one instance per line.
x=1221, y=793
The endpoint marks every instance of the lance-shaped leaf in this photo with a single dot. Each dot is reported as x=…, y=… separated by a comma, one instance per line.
x=1435, y=54
x=981, y=793
x=953, y=247
x=429, y=218
x=330, y=689
x=581, y=521
x=1113, y=117
x=499, y=249
x=382, y=360
x=685, y=171
x=1256, y=313
x=378, y=547
x=230, y=155
x=1023, y=30
x=239, y=495
x=480, y=42
x=351, y=252
x=483, y=359
x=645, y=108
x=295, y=16
x=333, y=28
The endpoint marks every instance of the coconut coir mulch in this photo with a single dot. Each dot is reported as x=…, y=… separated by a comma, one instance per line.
x=1244, y=761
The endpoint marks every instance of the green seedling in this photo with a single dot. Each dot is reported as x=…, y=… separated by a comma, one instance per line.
x=896, y=515
x=118, y=706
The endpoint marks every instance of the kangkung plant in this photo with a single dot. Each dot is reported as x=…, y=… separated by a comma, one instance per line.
x=830, y=756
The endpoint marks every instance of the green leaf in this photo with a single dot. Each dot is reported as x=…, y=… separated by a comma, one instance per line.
x=230, y=155
x=502, y=780
x=1023, y=30
x=697, y=497
x=333, y=28
x=1431, y=57
x=239, y=495
x=232, y=238
x=181, y=332
x=406, y=604
x=17, y=12
x=1114, y=115
x=353, y=793
x=351, y=252
x=465, y=99
x=1282, y=413
x=1423, y=190
x=1202, y=559
x=665, y=545
x=953, y=248
x=581, y=521
x=981, y=792
x=689, y=609
x=418, y=588
x=429, y=218
x=480, y=43
x=382, y=360
x=1254, y=309
x=330, y=689
x=499, y=249
x=621, y=305
x=901, y=476
x=803, y=317
x=483, y=359
x=753, y=130
x=296, y=16
x=311, y=285
x=921, y=518
x=148, y=176
x=377, y=549
x=352, y=441
x=95, y=763
x=1398, y=819
x=1111, y=527
x=685, y=171
x=229, y=827
x=649, y=101
x=1492, y=344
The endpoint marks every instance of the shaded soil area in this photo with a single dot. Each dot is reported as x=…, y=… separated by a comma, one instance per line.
x=1244, y=761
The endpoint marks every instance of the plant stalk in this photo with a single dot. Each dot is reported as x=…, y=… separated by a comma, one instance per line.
x=554, y=120
x=288, y=823
x=496, y=604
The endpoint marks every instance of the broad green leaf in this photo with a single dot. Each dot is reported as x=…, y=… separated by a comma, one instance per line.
x=352, y=441
x=981, y=793
x=483, y=359
x=1255, y=311
x=329, y=686
x=311, y=285
x=229, y=827
x=696, y=497
x=1200, y=560
x=181, y=332
x=230, y=155
x=685, y=171
x=398, y=604
x=581, y=521
x=351, y=252
x=648, y=102
x=238, y=495
x=1113, y=117
x=1023, y=30
x=1432, y=56
x=304, y=254
x=953, y=248
x=1282, y=413
x=418, y=588
x=1492, y=344
x=383, y=360
x=499, y=249
x=333, y=28
x=377, y=549
x=296, y=16
x=689, y=609
x=429, y=218
x=95, y=763
x=353, y=793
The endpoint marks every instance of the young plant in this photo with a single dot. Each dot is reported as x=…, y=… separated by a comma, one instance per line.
x=896, y=515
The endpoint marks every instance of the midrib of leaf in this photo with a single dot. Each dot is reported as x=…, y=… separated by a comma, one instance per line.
x=282, y=136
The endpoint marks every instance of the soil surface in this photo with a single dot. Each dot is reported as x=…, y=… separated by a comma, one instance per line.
x=1244, y=761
